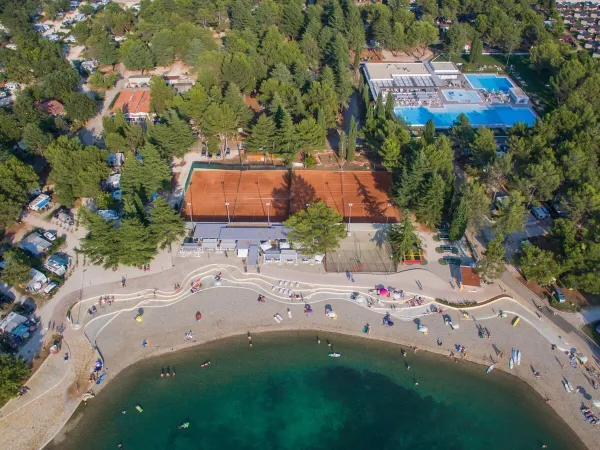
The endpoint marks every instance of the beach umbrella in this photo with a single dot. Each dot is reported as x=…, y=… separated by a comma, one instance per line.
x=396, y=296
x=383, y=291
x=596, y=403
x=139, y=319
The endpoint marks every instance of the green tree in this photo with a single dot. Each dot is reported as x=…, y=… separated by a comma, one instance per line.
x=429, y=132
x=455, y=39
x=491, y=266
x=537, y=265
x=292, y=19
x=145, y=173
x=80, y=108
x=310, y=135
x=403, y=237
x=316, y=229
x=342, y=145
x=139, y=57
x=478, y=204
x=10, y=131
x=462, y=133
x=102, y=243
x=460, y=219
x=476, y=49
x=390, y=152
x=286, y=141
x=17, y=180
x=18, y=267
x=389, y=107
x=161, y=94
x=138, y=245
x=512, y=217
x=173, y=135
x=238, y=68
x=483, y=147
x=163, y=48
x=76, y=170
x=166, y=225
x=352, y=135
x=262, y=135
x=35, y=139
x=13, y=373
x=235, y=99
x=430, y=203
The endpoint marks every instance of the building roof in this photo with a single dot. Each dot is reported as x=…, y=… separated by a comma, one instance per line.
x=386, y=71
x=12, y=321
x=226, y=233
x=133, y=102
x=469, y=277
x=445, y=66
x=35, y=244
x=52, y=107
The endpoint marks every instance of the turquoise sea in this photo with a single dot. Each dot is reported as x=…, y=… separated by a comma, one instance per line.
x=286, y=393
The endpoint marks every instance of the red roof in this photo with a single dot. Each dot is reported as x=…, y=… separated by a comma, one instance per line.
x=469, y=277
x=133, y=102
x=52, y=107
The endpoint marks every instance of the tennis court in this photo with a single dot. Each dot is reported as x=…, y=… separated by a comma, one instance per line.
x=368, y=192
x=246, y=194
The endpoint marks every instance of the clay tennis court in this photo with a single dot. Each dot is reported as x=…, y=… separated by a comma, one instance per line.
x=248, y=191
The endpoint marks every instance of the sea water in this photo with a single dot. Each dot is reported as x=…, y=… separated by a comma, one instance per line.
x=286, y=393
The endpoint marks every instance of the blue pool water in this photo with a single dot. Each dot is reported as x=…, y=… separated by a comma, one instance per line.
x=490, y=116
x=490, y=82
x=461, y=96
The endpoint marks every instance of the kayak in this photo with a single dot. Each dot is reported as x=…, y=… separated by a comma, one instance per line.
x=277, y=319
x=184, y=425
x=289, y=313
x=567, y=387
x=334, y=355
x=511, y=363
x=139, y=408
x=518, y=357
x=489, y=369
x=205, y=364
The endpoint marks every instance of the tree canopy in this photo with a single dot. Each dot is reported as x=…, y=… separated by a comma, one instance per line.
x=316, y=229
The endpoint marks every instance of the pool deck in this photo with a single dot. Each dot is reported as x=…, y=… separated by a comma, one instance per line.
x=463, y=84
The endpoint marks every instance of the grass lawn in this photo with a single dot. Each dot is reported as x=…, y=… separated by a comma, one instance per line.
x=590, y=330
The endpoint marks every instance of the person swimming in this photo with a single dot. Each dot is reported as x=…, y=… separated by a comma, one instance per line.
x=162, y=372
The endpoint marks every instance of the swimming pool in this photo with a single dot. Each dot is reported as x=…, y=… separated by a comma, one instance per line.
x=461, y=96
x=489, y=82
x=489, y=116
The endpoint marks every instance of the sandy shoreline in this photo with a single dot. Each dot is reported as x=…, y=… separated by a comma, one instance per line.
x=120, y=340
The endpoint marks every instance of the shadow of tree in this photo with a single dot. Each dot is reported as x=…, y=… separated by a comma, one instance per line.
x=301, y=193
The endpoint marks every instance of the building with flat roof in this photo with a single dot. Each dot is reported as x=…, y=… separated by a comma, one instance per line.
x=135, y=105
x=446, y=70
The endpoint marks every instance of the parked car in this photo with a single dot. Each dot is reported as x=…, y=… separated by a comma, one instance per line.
x=540, y=213
x=558, y=294
x=50, y=235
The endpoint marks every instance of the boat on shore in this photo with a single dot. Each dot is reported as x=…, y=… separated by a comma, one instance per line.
x=205, y=364
x=511, y=363
x=334, y=355
x=490, y=368
x=518, y=357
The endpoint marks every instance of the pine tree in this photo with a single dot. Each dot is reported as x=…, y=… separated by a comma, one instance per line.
x=139, y=57
x=411, y=180
x=430, y=203
x=292, y=19
x=403, y=237
x=352, y=135
x=145, y=173
x=286, y=141
x=389, y=107
x=322, y=124
x=491, y=266
x=262, y=135
x=429, y=132
x=310, y=135
x=166, y=225
x=366, y=96
x=342, y=145
x=173, y=136
x=390, y=153
x=460, y=219
x=379, y=107
x=476, y=49
x=234, y=98
x=138, y=246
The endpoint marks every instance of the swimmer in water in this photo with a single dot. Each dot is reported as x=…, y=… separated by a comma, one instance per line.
x=123, y=412
x=162, y=372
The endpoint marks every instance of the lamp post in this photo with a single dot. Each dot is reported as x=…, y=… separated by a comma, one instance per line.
x=268, y=214
x=227, y=206
x=387, y=213
x=349, y=217
x=77, y=325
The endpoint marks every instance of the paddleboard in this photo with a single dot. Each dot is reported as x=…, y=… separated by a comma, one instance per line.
x=511, y=363
x=489, y=369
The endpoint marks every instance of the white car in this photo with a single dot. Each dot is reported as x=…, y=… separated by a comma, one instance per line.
x=50, y=235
